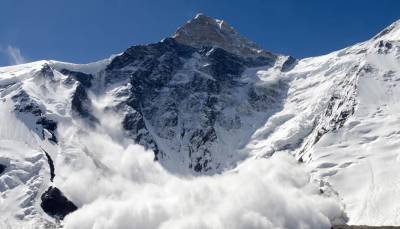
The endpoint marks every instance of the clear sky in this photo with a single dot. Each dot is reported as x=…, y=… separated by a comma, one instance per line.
x=82, y=31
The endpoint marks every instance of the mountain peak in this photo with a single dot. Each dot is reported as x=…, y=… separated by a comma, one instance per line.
x=204, y=19
x=205, y=31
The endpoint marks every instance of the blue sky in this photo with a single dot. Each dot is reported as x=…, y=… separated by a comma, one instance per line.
x=82, y=31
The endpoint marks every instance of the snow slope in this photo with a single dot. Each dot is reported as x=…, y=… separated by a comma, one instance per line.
x=363, y=156
x=341, y=118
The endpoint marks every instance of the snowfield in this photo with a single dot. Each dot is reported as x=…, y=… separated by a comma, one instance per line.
x=274, y=143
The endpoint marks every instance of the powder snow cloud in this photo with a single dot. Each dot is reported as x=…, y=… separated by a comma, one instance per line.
x=125, y=188
x=13, y=54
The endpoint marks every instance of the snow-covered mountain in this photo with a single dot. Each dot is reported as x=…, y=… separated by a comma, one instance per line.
x=195, y=131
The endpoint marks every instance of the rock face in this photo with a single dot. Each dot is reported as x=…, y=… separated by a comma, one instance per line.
x=193, y=98
x=81, y=105
x=55, y=204
x=204, y=31
x=84, y=79
x=25, y=105
x=183, y=102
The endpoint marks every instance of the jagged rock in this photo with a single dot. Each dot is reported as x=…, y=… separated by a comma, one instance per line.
x=289, y=63
x=163, y=87
x=204, y=31
x=81, y=104
x=46, y=72
x=50, y=125
x=224, y=65
x=134, y=122
x=141, y=53
x=51, y=166
x=55, y=204
x=23, y=103
x=84, y=79
x=47, y=123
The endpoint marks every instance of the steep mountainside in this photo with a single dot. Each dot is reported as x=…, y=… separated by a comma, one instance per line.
x=205, y=101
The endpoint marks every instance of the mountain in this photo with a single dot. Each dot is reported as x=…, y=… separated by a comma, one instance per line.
x=205, y=103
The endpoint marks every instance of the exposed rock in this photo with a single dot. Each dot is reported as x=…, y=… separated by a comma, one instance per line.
x=23, y=103
x=203, y=31
x=177, y=104
x=81, y=105
x=83, y=78
x=2, y=168
x=46, y=72
x=49, y=125
x=51, y=166
x=289, y=63
x=224, y=65
x=55, y=204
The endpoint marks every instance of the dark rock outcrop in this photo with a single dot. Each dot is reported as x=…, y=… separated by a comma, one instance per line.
x=55, y=204
x=51, y=166
x=2, y=168
x=81, y=104
x=49, y=125
x=83, y=78
x=23, y=103
x=289, y=63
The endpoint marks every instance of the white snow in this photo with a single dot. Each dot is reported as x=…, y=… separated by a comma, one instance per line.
x=364, y=158
x=360, y=161
x=90, y=68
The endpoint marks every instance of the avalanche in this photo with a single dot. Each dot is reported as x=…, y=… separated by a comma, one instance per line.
x=203, y=130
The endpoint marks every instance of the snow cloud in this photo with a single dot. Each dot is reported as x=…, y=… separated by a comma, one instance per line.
x=120, y=186
x=13, y=54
